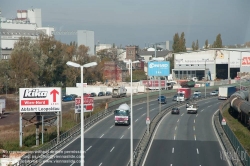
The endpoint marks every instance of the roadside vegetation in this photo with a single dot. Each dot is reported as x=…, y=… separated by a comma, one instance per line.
x=241, y=132
x=9, y=134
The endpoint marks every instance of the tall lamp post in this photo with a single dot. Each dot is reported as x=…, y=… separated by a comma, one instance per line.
x=178, y=60
x=130, y=62
x=240, y=72
x=205, y=76
x=73, y=64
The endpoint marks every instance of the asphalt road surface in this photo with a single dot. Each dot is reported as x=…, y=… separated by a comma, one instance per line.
x=107, y=144
x=187, y=139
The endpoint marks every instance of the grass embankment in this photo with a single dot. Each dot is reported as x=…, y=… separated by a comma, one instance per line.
x=240, y=131
x=9, y=134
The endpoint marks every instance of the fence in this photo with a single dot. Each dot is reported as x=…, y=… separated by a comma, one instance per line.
x=240, y=153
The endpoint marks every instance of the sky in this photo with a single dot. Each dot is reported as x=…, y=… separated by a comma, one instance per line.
x=143, y=22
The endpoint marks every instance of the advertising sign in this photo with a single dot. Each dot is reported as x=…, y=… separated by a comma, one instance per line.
x=245, y=59
x=88, y=104
x=3, y=103
x=40, y=99
x=158, y=68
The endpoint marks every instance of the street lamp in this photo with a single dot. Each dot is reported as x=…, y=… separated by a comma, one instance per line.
x=159, y=86
x=240, y=73
x=130, y=62
x=205, y=77
x=178, y=60
x=73, y=64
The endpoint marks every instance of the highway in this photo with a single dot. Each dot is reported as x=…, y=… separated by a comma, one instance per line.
x=106, y=144
x=186, y=139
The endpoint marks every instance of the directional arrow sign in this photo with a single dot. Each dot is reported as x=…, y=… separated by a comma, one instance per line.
x=54, y=93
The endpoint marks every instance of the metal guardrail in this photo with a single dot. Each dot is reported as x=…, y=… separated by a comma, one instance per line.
x=239, y=153
x=38, y=156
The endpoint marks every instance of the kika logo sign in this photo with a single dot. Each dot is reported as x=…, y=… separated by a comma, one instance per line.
x=35, y=93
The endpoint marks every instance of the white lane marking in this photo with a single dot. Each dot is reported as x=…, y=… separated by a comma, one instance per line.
x=88, y=148
x=172, y=150
x=112, y=149
x=195, y=137
x=178, y=120
x=136, y=120
x=175, y=127
x=140, y=108
x=129, y=127
x=194, y=120
x=151, y=104
x=206, y=102
x=197, y=151
x=153, y=109
x=170, y=164
x=111, y=126
x=209, y=106
x=143, y=114
x=102, y=136
x=196, y=115
x=193, y=127
x=218, y=103
x=201, y=110
x=72, y=163
x=122, y=136
x=182, y=114
x=100, y=164
x=174, y=137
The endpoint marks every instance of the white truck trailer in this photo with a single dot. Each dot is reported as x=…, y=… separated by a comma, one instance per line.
x=119, y=92
x=226, y=91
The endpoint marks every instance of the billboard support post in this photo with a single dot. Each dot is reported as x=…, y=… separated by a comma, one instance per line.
x=20, y=130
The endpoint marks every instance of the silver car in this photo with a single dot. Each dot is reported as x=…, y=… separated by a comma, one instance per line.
x=214, y=93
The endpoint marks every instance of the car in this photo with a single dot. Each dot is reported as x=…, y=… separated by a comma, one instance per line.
x=175, y=110
x=101, y=94
x=86, y=95
x=196, y=96
x=108, y=93
x=174, y=98
x=214, y=93
x=162, y=100
x=67, y=98
x=93, y=94
x=197, y=92
x=73, y=96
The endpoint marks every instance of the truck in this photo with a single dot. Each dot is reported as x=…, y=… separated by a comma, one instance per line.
x=226, y=91
x=183, y=94
x=192, y=108
x=119, y=92
x=122, y=115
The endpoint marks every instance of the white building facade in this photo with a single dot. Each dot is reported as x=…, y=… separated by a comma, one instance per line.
x=212, y=64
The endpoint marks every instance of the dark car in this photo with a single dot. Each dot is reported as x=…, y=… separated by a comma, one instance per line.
x=175, y=111
x=174, y=98
x=108, y=93
x=74, y=96
x=196, y=96
x=101, y=94
x=93, y=94
x=67, y=98
x=162, y=100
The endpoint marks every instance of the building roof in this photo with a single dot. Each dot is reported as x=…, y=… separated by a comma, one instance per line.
x=152, y=53
x=19, y=32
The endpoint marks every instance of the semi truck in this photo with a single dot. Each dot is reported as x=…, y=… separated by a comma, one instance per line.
x=183, y=94
x=226, y=91
x=122, y=115
x=119, y=92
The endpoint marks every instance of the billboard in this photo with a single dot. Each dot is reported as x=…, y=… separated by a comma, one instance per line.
x=40, y=99
x=158, y=68
x=88, y=104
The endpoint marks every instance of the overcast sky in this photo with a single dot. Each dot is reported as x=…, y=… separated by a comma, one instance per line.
x=141, y=22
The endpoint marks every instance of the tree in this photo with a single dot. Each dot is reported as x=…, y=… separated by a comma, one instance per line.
x=109, y=54
x=179, y=44
x=197, y=45
x=206, y=44
x=218, y=42
x=182, y=43
x=193, y=46
x=175, y=45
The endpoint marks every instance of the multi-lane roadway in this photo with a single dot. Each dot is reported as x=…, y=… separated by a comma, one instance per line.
x=182, y=139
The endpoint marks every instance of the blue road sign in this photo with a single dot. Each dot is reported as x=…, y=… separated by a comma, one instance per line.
x=158, y=68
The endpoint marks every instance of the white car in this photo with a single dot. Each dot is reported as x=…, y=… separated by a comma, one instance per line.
x=214, y=93
x=197, y=92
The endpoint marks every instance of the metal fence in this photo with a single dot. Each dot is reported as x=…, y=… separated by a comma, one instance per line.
x=239, y=150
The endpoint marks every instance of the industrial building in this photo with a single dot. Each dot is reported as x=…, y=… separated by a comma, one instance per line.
x=211, y=64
